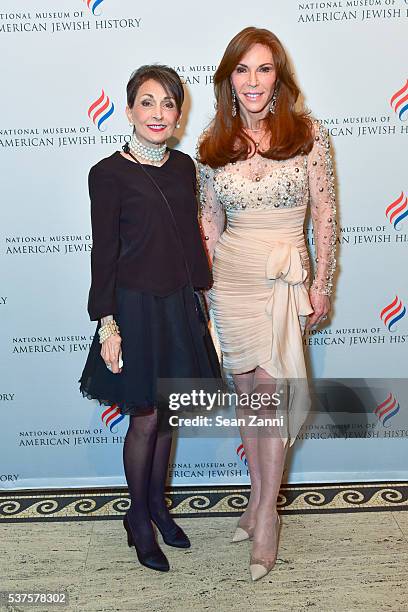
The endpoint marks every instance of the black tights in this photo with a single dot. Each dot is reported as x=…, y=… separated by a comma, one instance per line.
x=146, y=452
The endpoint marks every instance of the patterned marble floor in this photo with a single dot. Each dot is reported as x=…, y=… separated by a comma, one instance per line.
x=331, y=562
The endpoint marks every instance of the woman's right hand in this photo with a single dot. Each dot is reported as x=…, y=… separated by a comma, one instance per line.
x=111, y=353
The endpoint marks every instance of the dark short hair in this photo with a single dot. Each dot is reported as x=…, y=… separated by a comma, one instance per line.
x=166, y=76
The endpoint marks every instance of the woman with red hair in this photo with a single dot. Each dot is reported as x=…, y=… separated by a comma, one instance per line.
x=262, y=163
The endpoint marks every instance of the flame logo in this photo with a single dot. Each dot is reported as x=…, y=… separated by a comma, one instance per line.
x=112, y=417
x=241, y=453
x=399, y=101
x=101, y=110
x=393, y=313
x=387, y=409
x=397, y=211
x=93, y=5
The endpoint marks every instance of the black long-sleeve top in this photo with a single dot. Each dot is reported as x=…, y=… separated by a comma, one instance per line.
x=135, y=244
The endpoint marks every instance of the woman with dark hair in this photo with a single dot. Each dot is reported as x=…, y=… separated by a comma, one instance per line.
x=147, y=256
x=262, y=161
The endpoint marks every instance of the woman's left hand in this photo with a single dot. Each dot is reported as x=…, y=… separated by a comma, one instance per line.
x=321, y=307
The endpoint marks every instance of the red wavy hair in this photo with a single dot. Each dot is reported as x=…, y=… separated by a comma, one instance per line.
x=291, y=131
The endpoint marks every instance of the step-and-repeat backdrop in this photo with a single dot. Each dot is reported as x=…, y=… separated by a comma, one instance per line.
x=64, y=68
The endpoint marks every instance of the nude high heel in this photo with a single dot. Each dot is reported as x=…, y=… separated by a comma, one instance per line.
x=259, y=568
x=242, y=534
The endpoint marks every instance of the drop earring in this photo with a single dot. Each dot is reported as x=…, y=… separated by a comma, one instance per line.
x=234, y=103
x=272, y=106
x=177, y=125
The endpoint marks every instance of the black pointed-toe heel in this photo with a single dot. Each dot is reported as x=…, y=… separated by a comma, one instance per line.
x=154, y=559
x=174, y=537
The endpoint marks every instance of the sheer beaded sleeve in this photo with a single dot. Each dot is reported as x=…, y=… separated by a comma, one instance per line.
x=212, y=215
x=323, y=209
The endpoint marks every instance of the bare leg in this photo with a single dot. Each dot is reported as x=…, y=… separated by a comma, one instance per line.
x=271, y=457
x=244, y=385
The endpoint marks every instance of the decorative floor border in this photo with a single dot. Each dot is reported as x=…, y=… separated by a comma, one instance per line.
x=94, y=504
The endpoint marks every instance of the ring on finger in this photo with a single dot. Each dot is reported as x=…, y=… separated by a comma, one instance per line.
x=109, y=366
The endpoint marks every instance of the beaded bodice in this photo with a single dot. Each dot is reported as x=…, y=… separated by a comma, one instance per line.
x=263, y=184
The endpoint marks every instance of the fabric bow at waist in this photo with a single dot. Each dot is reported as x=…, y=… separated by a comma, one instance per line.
x=288, y=300
x=284, y=262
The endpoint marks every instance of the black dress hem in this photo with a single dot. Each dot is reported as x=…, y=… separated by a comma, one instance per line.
x=163, y=338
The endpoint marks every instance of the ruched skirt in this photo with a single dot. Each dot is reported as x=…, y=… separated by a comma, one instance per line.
x=260, y=302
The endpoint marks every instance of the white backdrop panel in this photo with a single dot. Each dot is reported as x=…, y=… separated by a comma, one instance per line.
x=56, y=60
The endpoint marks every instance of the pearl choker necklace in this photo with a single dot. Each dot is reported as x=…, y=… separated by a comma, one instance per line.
x=153, y=154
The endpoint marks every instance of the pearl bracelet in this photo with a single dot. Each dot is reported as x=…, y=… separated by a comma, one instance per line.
x=106, y=331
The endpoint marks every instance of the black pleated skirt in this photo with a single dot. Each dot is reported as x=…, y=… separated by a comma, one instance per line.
x=162, y=338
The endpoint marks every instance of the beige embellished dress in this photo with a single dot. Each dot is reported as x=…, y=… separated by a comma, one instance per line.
x=253, y=214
